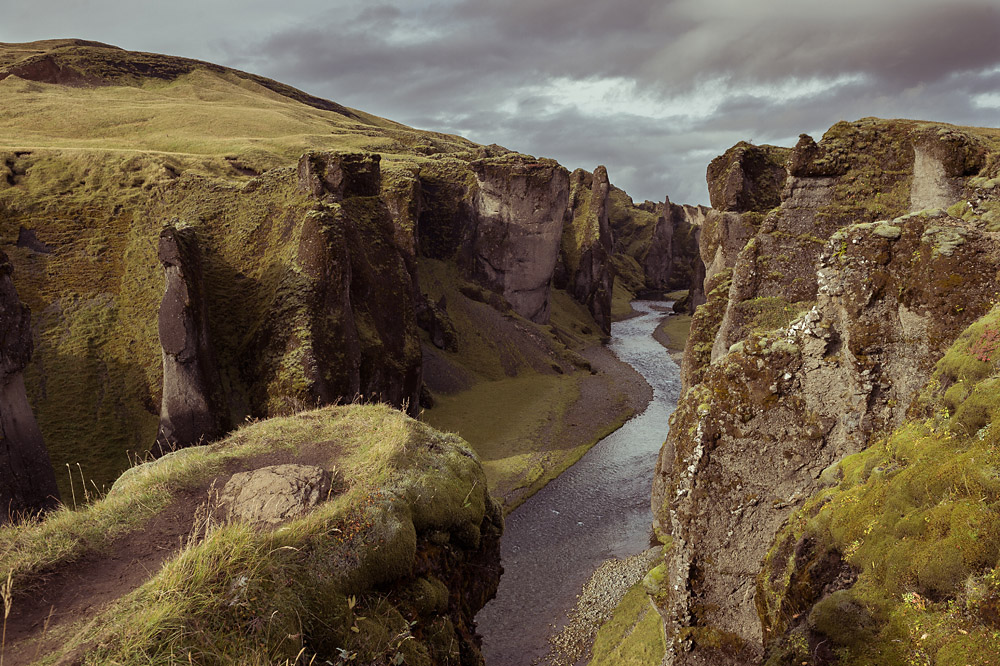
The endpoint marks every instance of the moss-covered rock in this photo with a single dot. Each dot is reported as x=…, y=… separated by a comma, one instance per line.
x=584, y=268
x=839, y=305
x=656, y=247
x=747, y=178
x=395, y=559
x=914, y=518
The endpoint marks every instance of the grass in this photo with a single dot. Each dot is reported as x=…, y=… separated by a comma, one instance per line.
x=235, y=593
x=207, y=111
x=634, y=636
x=521, y=379
x=509, y=423
x=915, y=516
x=673, y=334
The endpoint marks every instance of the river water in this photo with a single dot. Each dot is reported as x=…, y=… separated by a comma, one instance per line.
x=596, y=510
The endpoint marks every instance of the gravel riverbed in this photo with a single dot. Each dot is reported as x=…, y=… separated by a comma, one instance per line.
x=595, y=605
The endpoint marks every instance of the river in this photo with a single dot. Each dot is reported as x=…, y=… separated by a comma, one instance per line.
x=596, y=510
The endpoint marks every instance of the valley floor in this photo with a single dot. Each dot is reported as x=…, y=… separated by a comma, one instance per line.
x=537, y=426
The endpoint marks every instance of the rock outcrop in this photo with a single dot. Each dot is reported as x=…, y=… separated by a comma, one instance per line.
x=27, y=481
x=817, y=334
x=347, y=533
x=275, y=494
x=656, y=246
x=585, y=257
x=193, y=409
x=361, y=324
x=747, y=178
x=519, y=207
x=673, y=260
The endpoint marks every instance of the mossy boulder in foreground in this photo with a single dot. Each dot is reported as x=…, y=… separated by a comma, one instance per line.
x=395, y=549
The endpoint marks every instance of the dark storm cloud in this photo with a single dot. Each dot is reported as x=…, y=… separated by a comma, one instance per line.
x=499, y=73
x=652, y=89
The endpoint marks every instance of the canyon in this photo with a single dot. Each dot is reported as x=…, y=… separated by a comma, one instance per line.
x=254, y=288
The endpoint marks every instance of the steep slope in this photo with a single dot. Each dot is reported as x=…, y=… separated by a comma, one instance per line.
x=825, y=317
x=336, y=255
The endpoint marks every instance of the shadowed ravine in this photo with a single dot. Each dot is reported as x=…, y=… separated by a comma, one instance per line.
x=597, y=510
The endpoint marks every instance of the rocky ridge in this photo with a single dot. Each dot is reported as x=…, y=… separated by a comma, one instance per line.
x=378, y=543
x=826, y=315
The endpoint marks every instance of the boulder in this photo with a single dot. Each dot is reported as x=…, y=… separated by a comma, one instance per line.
x=271, y=495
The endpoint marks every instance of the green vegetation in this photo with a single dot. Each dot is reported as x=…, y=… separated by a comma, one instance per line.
x=509, y=388
x=634, y=636
x=235, y=593
x=915, y=516
x=767, y=313
x=633, y=225
x=673, y=334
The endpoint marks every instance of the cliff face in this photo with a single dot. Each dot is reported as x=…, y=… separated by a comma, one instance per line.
x=520, y=209
x=656, y=246
x=192, y=410
x=585, y=260
x=829, y=326
x=27, y=481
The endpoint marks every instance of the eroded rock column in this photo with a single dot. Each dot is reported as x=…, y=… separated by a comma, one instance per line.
x=193, y=410
x=27, y=481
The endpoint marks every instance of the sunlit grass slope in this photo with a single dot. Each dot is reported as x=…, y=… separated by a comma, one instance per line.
x=61, y=94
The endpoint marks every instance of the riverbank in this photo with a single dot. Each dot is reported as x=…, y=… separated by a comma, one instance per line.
x=673, y=335
x=596, y=607
x=536, y=426
x=611, y=601
x=597, y=511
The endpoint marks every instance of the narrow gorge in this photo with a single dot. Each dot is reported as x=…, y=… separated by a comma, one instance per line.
x=285, y=382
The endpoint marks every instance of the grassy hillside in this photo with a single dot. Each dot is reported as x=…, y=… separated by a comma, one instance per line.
x=197, y=113
x=100, y=147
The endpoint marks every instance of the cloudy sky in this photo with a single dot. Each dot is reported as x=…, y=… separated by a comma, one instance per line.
x=651, y=89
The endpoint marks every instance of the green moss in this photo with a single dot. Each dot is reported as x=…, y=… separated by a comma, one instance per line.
x=633, y=637
x=768, y=313
x=915, y=515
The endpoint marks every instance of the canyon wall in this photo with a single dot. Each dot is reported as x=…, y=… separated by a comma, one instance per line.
x=829, y=303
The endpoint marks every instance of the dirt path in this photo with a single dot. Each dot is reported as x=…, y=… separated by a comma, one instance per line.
x=79, y=590
x=930, y=187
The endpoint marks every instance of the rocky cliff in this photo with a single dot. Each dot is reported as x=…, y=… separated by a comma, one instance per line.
x=825, y=316
x=27, y=481
x=656, y=247
x=320, y=269
x=192, y=410
x=585, y=260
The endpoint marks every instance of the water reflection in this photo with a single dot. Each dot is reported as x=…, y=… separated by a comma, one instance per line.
x=596, y=510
